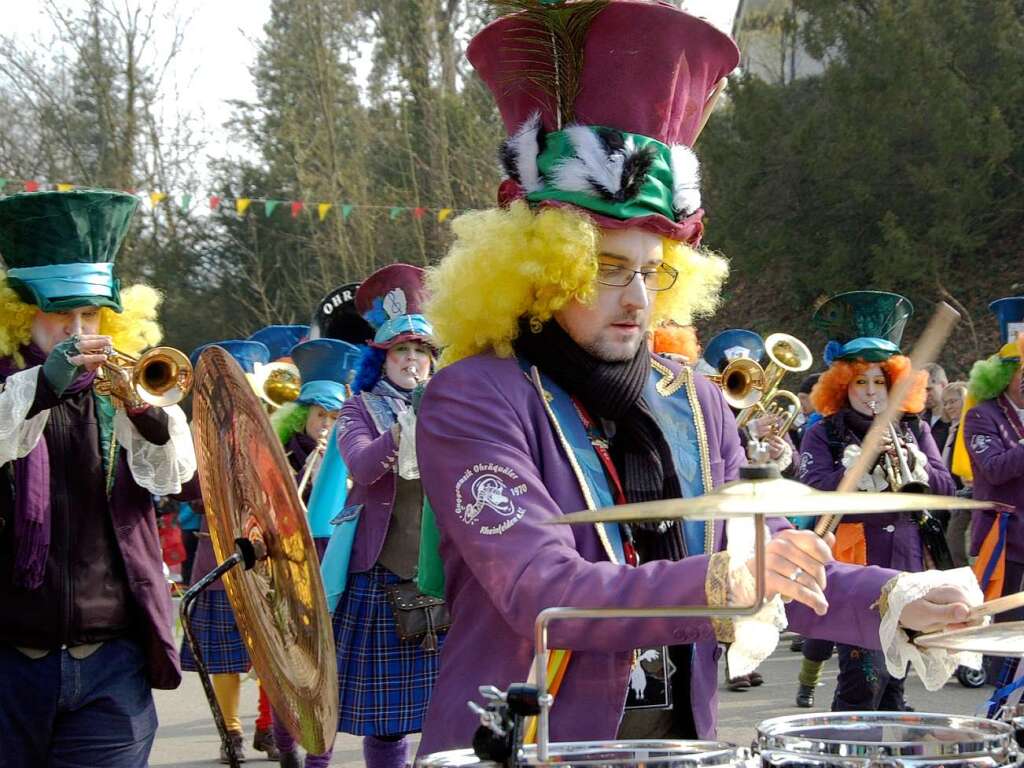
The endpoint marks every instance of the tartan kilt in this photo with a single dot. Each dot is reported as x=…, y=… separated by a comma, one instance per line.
x=384, y=684
x=220, y=642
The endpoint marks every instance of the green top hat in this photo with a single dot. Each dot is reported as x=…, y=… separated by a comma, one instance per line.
x=59, y=247
x=863, y=325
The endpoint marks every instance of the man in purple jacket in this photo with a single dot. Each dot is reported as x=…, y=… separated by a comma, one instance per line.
x=85, y=613
x=549, y=401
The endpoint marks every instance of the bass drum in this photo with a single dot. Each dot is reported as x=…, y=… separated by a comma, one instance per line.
x=885, y=740
x=597, y=754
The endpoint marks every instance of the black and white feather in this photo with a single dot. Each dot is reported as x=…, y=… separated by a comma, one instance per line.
x=607, y=164
x=685, y=180
x=519, y=153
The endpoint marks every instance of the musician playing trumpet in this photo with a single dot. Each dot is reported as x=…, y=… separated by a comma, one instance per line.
x=865, y=364
x=86, y=628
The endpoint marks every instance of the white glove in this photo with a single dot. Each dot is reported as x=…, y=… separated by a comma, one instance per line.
x=919, y=462
x=407, y=466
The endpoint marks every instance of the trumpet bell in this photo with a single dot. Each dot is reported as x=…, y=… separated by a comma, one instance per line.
x=741, y=382
x=788, y=352
x=162, y=376
x=277, y=383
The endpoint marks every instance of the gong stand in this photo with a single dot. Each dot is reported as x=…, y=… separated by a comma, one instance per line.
x=246, y=553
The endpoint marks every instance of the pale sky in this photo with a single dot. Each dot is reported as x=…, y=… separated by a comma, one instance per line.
x=219, y=50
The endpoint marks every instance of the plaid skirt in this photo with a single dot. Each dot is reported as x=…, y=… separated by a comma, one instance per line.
x=384, y=684
x=220, y=642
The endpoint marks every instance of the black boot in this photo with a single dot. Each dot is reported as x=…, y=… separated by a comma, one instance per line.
x=796, y=645
x=236, y=742
x=805, y=696
x=290, y=760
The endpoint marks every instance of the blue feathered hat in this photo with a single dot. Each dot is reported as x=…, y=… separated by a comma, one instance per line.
x=1010, y=312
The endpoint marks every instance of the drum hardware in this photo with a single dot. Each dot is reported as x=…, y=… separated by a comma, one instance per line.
x=885, y=740
x=503, y=721
x=278, y=599
x=1005, y=639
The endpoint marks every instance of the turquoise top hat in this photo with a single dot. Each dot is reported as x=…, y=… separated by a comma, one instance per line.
x=246, y=353
x=863, y=325
x=59, y=247
x=326, y=367
x=280, y=338
x=733, y=344
x=1010, y=312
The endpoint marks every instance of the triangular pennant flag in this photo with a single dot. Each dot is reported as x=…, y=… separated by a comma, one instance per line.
x=395, y=212
x=443, y=214
x=242, y=205
x=31, y=186
x=417, y=213
x=156, y=198
x=346, y=211
x=186, y=202
x=65, y=187
x=269, y=206
x=214, y=202
x=3, y=183
x=296, y=208
x=322, y=210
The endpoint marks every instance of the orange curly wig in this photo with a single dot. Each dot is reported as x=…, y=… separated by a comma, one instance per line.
x=830, y=393
x=677, y=340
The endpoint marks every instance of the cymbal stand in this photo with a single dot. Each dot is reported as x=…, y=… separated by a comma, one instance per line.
x=246, y=554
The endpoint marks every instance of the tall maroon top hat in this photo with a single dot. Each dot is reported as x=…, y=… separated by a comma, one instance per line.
x=602, y=101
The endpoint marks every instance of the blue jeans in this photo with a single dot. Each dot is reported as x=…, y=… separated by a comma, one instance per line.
x=62, y=712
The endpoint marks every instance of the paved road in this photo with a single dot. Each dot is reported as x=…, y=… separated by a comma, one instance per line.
x=188, y=739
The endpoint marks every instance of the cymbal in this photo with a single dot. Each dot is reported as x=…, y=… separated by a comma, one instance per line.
x=279, y=604
x=777, y=497
x=1006, y=639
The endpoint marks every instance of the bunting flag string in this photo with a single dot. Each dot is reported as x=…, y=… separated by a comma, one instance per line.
x=318, y=211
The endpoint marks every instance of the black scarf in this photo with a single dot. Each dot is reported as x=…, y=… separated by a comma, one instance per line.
x=614, y=392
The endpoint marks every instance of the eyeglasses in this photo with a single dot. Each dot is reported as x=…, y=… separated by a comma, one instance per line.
x=660, y=278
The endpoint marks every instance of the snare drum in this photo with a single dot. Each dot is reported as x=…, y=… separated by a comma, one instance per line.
x=597, y=754
x=885, y=740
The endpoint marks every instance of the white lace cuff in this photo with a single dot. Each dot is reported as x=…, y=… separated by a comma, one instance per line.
x=786, y=458
x=933, y=666
x=18, y=435
x=754, y=637
x=160, y=469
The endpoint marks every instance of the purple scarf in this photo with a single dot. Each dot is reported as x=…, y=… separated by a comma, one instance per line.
x=32, y=488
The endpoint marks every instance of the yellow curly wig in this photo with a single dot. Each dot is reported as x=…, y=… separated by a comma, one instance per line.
x=132, y=331
x=511, y=263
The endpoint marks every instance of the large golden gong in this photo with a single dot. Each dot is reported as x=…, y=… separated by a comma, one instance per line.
x=279, y=604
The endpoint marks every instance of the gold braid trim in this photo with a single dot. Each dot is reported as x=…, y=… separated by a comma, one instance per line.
x=716, y=587
x=882, y=604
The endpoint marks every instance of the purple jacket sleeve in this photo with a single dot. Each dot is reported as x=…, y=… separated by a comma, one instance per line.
x=817, y=468
x=367, y=455
x=990, y=458
x=939, y=479
x=524, y=564
x=852, y=592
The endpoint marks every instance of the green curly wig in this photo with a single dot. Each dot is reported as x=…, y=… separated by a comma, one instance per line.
x=289, y=420
x=990, y=377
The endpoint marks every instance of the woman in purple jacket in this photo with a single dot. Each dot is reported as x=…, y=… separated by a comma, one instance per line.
x=384, y=683
x=864, y=365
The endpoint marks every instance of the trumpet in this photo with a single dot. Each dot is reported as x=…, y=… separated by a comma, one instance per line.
x=160, y=377
x=895, y=463
x=786, y=354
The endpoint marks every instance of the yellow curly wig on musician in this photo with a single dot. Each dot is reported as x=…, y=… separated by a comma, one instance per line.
x=132, y=330
x=511, y=263
x=830, y=393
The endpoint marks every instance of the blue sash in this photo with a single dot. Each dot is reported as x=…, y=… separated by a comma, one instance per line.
x=328, y=516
